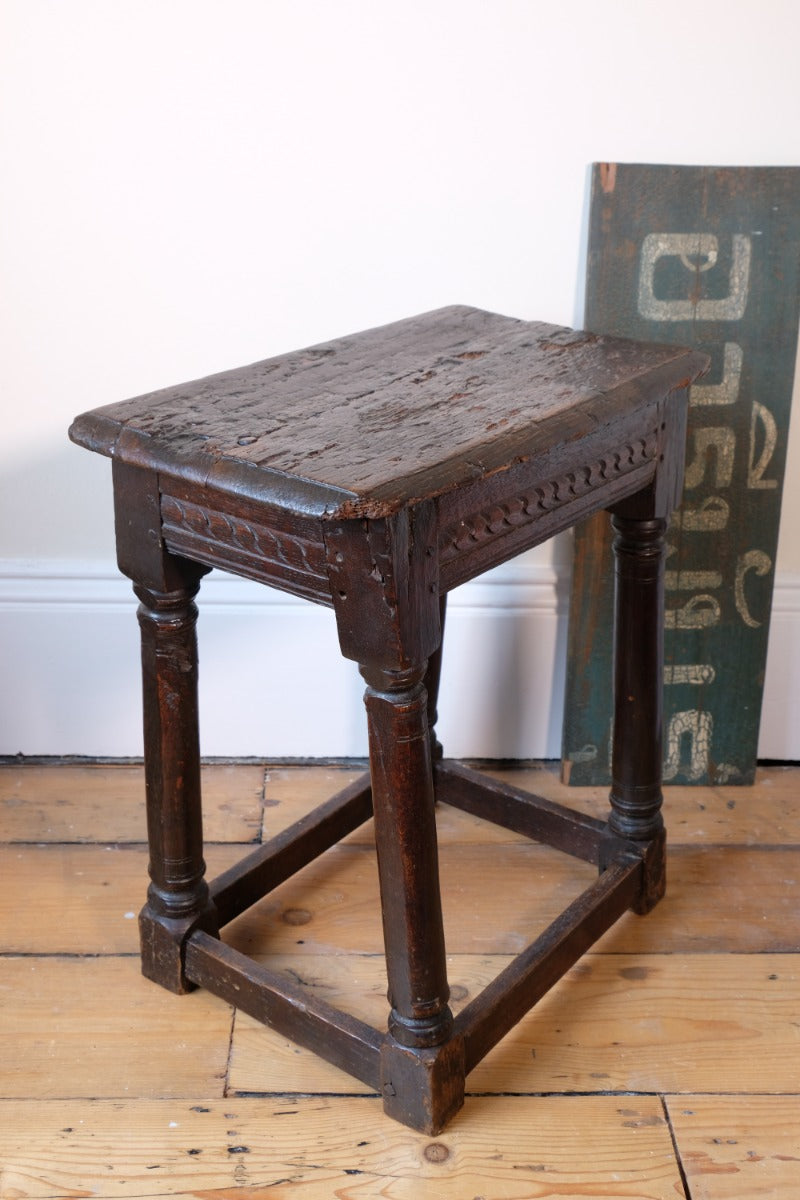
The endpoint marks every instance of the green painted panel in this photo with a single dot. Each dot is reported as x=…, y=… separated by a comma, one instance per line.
x=709, y=258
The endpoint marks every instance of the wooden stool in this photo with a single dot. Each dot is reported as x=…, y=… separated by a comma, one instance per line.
x=373, y=474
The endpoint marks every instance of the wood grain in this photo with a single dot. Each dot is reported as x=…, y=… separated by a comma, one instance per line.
x=764, y=813
x=79, y=899
x=88, y=803
x=737, y=1146
x=108, y=1083
x=450, y=386
x=639, y=1023
x=82, y=899
x=95, y=1027
x=498, y=902
x=97, y=803
x=320, y=1147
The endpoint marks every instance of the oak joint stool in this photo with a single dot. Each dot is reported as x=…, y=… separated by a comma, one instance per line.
x=373, y=474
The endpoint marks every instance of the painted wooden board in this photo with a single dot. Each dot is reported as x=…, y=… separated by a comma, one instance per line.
x=708, y=258
x=317, y=1148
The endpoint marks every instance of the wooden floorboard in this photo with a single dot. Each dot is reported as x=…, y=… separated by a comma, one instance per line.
x=622, y=1023
x=665, y=1064
x=82, y=899
x=57, y=803
x=106, y=803
x=320, y=1147
x=738, y=1146
x=87, y=1027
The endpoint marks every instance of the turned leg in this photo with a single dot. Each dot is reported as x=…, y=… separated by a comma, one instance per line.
x=423, y=1066
x=384, y=587
x=636, y=756
x=178, y=899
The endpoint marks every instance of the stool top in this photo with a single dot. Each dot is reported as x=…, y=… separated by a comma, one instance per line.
x=363, y=425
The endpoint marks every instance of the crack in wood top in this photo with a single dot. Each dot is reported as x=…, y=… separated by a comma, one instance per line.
x=366, y=425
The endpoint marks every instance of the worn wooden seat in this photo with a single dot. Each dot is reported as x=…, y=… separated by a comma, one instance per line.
x=373, y=474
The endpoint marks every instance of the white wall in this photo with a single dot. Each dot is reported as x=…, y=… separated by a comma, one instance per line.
x=194, y=184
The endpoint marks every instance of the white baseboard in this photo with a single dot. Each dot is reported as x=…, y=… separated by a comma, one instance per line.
x=272, y=681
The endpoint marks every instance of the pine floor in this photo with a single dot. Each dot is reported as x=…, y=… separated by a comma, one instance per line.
x=665, y=1064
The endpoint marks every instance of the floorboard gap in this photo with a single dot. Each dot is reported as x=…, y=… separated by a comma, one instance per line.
x=687, y=1191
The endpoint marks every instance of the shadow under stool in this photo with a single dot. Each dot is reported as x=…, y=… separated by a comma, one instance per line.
x=373, y=474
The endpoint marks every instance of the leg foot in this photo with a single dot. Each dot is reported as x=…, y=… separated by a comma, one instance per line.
x=423, y=1088
x=163, y=946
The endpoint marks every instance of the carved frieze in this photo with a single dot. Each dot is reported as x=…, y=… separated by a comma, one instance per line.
x=545, y=497
x=277, y=557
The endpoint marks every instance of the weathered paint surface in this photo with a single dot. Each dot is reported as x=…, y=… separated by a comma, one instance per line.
x=708, y=258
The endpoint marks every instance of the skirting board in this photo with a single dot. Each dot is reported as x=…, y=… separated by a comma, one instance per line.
x=272, y=681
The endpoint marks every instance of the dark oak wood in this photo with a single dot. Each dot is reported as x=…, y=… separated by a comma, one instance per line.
x=638, y=694
x=408, y=863
x=374, y=474
x=278, y=1001
x=499, y=1007
x=522, y=812
x=178, y=900
x=248, y=881
x=432, y=679
x=365, y=425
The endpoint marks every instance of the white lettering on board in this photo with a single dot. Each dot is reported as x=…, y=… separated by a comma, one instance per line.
x=698, y=253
